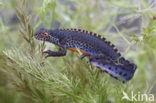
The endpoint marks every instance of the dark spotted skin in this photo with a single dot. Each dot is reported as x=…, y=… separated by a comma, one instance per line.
x=102, y=53
x=89, y=42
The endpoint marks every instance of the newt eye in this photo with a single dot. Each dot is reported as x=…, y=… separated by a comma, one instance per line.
x=46, y=34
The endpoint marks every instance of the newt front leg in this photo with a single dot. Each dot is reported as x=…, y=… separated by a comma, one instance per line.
x=50, y=53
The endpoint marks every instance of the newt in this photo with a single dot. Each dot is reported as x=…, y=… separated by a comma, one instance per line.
x=90, y=44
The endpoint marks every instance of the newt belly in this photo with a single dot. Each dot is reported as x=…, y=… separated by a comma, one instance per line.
x=76, y=50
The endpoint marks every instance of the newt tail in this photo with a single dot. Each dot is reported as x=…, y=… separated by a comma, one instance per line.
x=123, y=72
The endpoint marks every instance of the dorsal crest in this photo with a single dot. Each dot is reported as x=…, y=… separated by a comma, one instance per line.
x=95, y=35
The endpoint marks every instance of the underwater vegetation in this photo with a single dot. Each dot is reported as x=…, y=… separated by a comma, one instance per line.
x=26, y=76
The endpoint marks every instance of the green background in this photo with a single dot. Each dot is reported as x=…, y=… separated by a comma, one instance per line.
x=27, y=77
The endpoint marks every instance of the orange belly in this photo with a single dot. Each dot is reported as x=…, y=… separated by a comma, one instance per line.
x=75, y=50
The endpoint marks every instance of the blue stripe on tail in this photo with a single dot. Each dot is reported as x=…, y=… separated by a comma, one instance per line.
x=122, y=72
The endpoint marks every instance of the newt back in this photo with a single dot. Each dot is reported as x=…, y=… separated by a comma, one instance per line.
x=86, y=41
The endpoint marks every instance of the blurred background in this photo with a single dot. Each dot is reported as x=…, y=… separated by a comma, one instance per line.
x=129, y=24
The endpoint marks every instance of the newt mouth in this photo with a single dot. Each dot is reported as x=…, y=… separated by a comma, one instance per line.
x=42, y=34
x=39, y=37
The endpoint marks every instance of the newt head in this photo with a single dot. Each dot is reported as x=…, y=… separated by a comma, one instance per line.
x=42, y=34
